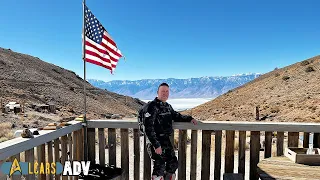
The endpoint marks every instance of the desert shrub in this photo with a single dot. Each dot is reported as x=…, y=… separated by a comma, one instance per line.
x=304, y=63
x=285, y=78
x=277, y=74
x=309, y=69
x=275, y=110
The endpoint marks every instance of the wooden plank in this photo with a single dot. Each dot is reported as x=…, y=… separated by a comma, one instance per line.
x=29, y=156
x=12, y=158
x=17, y=145
x=217, y=125
x=229, y=152
x=41, y=159
x=217, y=154
x=283, y=168
x=91, y=145
x=206, y=147
x=102, y=145
x=254, y=154
x=75, y=146
x=316, y=140
x=194, y=157
x=293, y=139
x=50, y=157
x=112, y=146
x=182, y=154
x=81, y=140
x=232, y=176
x=147, y=162
x=125, y=154
x=268, y=144
x=280, y=139
x=70, y=146
x=136, y=146
x=64, y=149
x=56, y=144
x=306, y=139
x=242, y=153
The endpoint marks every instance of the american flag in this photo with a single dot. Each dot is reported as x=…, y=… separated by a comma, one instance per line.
x=100, y=49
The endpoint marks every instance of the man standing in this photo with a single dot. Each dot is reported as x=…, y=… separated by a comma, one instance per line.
x=158, y=128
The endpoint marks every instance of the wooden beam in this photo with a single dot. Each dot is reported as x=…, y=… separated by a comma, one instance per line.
x=217, y=154
x=17, y=145
x=216, y=125
x=280, y=139
x=206, y=148
x=194, y=156
x=147, y=163
x=92, y=145
x=182, y=154
x=125, y=154
x=268, y=144
x=293, y=139
x=112, y=144
x=102, y=146
x=254, y=154
x=136, y=144
x=242, y=153
x=229, y=152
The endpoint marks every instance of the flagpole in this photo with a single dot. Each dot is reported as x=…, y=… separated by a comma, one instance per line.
x=84, y=87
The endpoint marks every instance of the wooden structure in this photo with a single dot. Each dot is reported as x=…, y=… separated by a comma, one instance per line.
x=283, y=168
x=70, y=139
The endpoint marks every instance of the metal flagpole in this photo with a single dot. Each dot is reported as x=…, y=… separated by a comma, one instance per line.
x=84, y=88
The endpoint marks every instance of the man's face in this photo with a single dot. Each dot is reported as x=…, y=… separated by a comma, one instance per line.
x=163, y=93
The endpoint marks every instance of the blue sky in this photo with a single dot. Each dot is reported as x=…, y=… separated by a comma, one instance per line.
x=168, y=39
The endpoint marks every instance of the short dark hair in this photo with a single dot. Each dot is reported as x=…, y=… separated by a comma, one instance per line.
x=163, y=84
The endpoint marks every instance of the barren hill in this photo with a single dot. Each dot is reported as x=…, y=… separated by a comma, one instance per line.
x=288, y=94
x=28, y=79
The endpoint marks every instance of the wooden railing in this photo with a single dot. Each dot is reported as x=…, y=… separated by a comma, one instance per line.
x=223, y=134
x=49, y=146
x=221, y=146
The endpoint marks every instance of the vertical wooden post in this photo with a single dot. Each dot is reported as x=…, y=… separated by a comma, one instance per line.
x=268, y=144
x=147, y=162
x=206, y=148
x=56, y=144
x=217, y=154
x=136, y=154
x=229, y=152
x=112, y=144
x=64, y=148
x=41, y=159
x=29, y=156
x=50, y=157
x=316, y=140
x=101, y=146
x=254, y=154
x=91, y=145
x=280, y=139
x=194, y=144
x=182, y=154
x=257, y=113
x=242, y=153
x=125, y=154
x=306, y=140
x=293, y=139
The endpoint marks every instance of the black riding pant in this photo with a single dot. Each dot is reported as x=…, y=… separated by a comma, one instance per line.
x=167, y=161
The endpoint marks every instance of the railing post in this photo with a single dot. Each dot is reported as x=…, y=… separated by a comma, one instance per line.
x=182, y=154
x=217, y=154
x=194, y=156
x=206, y=148
x=229, y=152
x=254, y=154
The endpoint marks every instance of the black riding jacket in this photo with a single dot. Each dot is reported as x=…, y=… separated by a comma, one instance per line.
x=158, y=120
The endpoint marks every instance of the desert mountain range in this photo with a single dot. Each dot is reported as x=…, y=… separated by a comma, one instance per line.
x=289, y=94
x=31, y=81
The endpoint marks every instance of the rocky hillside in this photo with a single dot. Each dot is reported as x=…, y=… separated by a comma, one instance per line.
x=291, y=94
x=203, y=87
x=29, y=80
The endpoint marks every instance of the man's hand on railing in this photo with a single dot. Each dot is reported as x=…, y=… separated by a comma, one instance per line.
x=194, y=122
